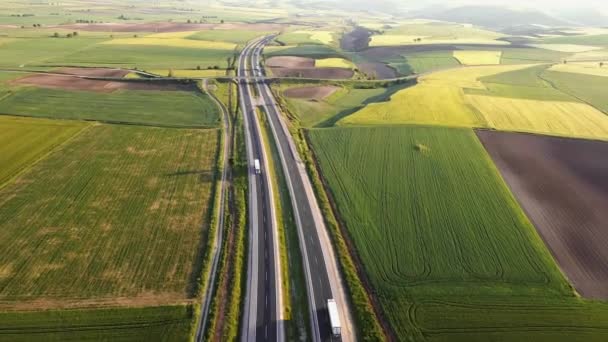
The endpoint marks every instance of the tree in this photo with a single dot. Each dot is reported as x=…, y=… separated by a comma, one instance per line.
x=198, y=67
x=222, y=21
x=170, y=74
x=601, y=64
x=56, y=35
x=189, y=21
x=74, y=33
x=69, y=35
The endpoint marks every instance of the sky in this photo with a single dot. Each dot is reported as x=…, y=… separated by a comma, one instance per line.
x=548, y=5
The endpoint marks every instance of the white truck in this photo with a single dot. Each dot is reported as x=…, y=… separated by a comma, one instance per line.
x=256, y=166
x=334, y=318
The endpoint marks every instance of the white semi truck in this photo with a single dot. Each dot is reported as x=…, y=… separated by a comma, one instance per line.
x=256, y=166
x=334, y=318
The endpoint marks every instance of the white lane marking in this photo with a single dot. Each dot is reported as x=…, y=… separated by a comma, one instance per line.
x=316, y=260
x=266, y=275
x=267, y=300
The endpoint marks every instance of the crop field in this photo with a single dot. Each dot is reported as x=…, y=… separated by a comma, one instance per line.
x=435, y=33
x=590, y=89
x=448, y=251
x=231, y=36
x=117, y=216
x=144, y=57
x=429, y=61
x=164, y=323
x=27, y=51
x=562, y=185
x=173, y=42
x=24, y=140
x=342, y=102
x=521, y=84
x=162, y=108
x=546, y=117
x=530, y=55
x=585, y=68
x=593, y=40
x=297, y=38
x=312, y=51
x=334, y=63
x=566, y=47
x=472, y=57
x=437, y=99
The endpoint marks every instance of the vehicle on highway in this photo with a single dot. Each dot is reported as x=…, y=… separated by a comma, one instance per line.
x=334, y=318
x=256, y=166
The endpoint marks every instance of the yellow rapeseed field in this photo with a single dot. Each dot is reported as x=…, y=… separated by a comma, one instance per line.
x=173, y=42
x=325, y=37
x=334, y=62
x=478, y=57
x=438, y=99
x=548, y=117
x=168, y=35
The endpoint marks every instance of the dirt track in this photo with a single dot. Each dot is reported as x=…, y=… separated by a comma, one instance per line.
x=562, y=184
x=69, y=82
x=310, y=93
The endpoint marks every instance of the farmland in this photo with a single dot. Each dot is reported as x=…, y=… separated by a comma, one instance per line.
x=116, y=216
x=187, y=109
x=163, y=323
x=25, y=140
x=561, y=184
x=472, y=57
x=445, y=246
x=587, y=88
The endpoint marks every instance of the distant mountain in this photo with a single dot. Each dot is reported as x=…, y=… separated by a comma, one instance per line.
x=584, y=16
x=492, y=17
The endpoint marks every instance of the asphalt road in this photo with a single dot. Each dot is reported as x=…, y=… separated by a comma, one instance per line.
x=321, y=270
x=263, y=301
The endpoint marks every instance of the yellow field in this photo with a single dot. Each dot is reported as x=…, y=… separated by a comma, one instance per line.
x=397, y=39
x=334, y=62
x=5, y=40
x=566, y=47
x=190, y=73
x=478, y=57
x=132, y=75
x=438, y=99
x=173, y=42
x=587, y=68
x=166, y=35
x=548, y=117
x=325, y=37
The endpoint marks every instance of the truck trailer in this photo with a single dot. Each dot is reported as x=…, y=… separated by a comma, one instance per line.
x=334, y=318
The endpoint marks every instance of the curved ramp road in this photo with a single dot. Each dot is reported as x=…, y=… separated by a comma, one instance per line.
x=262, y=312
x=321, y=270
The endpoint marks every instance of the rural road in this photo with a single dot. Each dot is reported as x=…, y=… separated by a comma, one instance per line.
x=320, y=263
x=227, y=148
x=262, y=310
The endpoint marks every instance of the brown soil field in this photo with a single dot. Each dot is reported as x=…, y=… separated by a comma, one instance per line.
x=356, y=40
x=310, y=93
x=326, y=73
x=166, y=27
x=381, y=70
x=72, y=81
x=290, y=62
x=93, y=72
x=562, y=185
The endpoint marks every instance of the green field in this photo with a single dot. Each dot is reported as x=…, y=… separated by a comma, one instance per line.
x=163, y=323
x=24, y=140
x=523, y=84
x=233, y=36
x=593, y=40
x=588, y=88
x=312, y=51
x=448, y=251
x=118, y=212
x=423, y=62
x=531, y=55
x=144, y=57
x=162, y=108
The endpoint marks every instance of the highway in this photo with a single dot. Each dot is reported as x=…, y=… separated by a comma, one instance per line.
x=320, y=265
x=262, y=310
